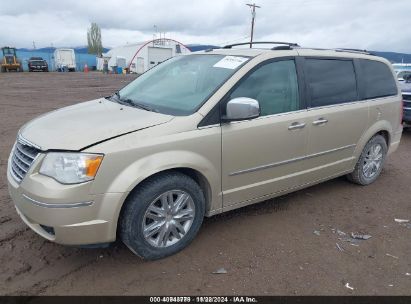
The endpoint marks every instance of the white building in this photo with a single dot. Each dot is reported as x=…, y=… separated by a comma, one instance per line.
x=142, y=56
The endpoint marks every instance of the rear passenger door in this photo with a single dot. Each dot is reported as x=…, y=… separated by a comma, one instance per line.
x=336, y=116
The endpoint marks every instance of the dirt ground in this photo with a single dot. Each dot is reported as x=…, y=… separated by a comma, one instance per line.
x=285, y=246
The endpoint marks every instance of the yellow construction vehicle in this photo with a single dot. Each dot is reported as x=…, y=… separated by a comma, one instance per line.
x=10, y=62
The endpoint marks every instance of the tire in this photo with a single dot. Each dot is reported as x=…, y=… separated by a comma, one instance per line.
x=137, y=215
x=361, y=175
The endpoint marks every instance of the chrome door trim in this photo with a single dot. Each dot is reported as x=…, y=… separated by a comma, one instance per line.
x=270, y=116
x=288, y=161
x=208, y=126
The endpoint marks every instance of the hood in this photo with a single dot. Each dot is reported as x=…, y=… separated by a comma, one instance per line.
x=81, y=125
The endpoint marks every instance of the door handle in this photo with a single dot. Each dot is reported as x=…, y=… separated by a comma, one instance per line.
x=296, y=125
x=320, y=121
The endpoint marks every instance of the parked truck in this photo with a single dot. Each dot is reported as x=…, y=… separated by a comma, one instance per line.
x=64, y=60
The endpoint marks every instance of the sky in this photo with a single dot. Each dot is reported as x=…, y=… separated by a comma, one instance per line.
x=382, y=25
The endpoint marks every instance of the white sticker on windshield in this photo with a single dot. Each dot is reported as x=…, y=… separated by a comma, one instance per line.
x=230, y=62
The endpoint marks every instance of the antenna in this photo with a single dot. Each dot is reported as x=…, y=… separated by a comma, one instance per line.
x=253, y=7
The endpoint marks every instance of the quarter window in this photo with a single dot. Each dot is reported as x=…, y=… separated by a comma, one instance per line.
x=330, y=81
x=274, y=85
x=378, y=79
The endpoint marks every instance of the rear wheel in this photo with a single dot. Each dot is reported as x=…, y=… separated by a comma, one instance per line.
x=371, y=161
x=162, y=216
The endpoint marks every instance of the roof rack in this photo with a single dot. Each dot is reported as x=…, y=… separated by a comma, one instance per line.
x=353, y=51
x=287, y=44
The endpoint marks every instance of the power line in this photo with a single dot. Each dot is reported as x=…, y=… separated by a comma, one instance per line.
x=253, y=7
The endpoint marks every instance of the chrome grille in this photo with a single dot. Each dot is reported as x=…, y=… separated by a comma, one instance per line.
x=22, y=159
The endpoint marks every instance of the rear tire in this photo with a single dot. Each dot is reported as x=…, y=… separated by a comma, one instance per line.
x=162, y=215
x=371, y=162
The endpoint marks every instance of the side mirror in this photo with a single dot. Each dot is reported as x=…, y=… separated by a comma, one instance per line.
x=242, y=108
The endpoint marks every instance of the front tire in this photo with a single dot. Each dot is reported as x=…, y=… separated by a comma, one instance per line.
x=371, y=161
x=162, y=215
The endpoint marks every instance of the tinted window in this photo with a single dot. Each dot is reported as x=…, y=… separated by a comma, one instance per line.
x=274, y=85
x=331, y=81
x=378, y=79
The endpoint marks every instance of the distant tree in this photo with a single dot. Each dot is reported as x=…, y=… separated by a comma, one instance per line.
x=95, y=45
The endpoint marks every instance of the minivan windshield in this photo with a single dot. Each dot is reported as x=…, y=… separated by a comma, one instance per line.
x=180, y=85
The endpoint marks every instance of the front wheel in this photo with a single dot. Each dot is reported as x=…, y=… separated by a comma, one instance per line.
x=162, y=216
x=371, y=161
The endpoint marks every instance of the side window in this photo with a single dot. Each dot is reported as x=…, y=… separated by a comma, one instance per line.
x=378, y=79
x=274, y=85
x=330, y=81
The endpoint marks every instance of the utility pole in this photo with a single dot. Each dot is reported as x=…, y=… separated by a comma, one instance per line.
x=253, y=7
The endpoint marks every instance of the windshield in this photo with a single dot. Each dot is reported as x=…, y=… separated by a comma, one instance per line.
x=180, y=85
x=404, y=73
x=38, y=62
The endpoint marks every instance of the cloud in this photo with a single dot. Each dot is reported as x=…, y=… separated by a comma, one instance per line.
x=369, y=24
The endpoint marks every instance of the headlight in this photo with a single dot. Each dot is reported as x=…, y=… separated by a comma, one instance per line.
x=71, y=168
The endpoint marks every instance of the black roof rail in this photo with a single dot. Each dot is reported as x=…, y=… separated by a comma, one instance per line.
x=289, y=44
x=353, y=51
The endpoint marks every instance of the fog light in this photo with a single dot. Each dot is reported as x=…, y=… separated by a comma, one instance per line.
x=48, y=229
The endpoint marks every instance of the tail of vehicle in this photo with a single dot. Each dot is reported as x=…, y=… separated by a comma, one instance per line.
x=65, y=60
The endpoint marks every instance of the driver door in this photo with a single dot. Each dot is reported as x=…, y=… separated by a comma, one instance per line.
x=262, y=156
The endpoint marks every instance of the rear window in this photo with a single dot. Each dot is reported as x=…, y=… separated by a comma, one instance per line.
x=331, y=81
x=378, y=79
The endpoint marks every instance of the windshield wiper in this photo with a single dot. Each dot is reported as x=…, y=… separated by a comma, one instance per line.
x=115, y=96
x=144, y=107
x=137, y=104
x=130, y=102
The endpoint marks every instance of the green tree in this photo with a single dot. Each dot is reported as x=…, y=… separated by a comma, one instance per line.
x=95, y=45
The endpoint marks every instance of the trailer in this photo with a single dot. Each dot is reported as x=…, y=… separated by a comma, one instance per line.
x=142, y=56
x=64, y=60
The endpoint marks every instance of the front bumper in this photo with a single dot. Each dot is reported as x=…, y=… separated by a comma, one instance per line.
x=75, y=216
x=407, y=115
x=38, y=69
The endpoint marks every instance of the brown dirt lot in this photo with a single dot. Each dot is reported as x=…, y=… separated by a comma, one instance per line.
x=268, y=248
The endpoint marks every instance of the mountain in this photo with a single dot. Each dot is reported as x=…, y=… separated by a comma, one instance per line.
x=78, y=50
x=391, y=56
x=201, y=47
x=394, y=57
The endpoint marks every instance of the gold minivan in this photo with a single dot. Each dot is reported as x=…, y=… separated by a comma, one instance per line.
x=202, y=134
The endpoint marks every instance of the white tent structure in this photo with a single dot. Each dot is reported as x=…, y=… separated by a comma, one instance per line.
x=142, y=56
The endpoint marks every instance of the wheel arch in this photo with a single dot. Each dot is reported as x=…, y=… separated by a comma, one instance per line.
x=196, y=175
x=382, y=128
